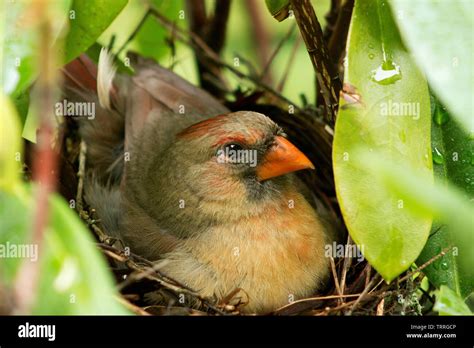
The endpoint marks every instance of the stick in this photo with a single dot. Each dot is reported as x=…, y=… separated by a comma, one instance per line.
x=312, y=35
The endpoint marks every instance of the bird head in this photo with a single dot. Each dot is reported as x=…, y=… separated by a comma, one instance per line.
x=241, y=150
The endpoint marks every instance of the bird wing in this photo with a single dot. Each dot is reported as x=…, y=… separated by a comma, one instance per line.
x=159, y=98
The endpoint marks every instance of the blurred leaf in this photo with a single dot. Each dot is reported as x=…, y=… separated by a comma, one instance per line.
x=75, y=277
x=278, y=8
x=18, y=40
x=152, y=39
x=439, y=34
x=385, y=108
x=449, y=303
x=19, y=37
x=452, y=155
x=88, y=19
x=10, y=145
x=446, y=203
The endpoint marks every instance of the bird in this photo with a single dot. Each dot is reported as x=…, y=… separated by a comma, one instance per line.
x=208, y=194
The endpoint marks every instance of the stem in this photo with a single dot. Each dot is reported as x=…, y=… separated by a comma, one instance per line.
x=45, y=159
x=212, y=32
x=262, y=39
x=312, y=34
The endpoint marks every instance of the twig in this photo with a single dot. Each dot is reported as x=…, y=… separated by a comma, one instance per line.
x=380, y=307
x=198, y=43
x=337, y=42
x=362, y=295
x=334, y=275
x=152, y=273
x=197, y=15
x=80, y=175
x=368, y=274
x=134, y=33
x=266, y=65
x=45, y=160
x=331, y=18
x=289, y=64
x=346, y=264
x=426, y=264
x=213, y=32
x=312, y=35
x=376, y=286
x=135, y=309
x=262, y=39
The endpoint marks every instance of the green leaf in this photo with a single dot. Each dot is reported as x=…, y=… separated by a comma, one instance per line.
x=445, y=203
x=449, y=303
x=279, y=9
x=452, y=154
x=385, y=108
x=75, y=278
x=152, y=40
x=20, y=40
x=10, y=146
x=439, y=34
x=73, y=275
x=88, y=19
x=19, y=46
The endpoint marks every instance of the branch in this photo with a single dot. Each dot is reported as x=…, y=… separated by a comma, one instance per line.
x=198, y=44
x=212, y=32
x=45, y=159
x=312, y=35
x=262, y=39
x=337, y=41
x=197, y=18
x=331, y=18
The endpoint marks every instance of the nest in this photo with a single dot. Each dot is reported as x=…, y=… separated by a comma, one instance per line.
x=354, y=288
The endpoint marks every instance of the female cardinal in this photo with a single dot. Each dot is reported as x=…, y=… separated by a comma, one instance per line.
x=208, y=192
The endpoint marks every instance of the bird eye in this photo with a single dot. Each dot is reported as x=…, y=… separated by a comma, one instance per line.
x=233, y=147
x=233, y=153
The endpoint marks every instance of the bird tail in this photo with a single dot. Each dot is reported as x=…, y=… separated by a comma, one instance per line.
x=104, y=131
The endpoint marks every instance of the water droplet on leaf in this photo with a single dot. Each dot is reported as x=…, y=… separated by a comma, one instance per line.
x=438, y=157
x=387, y=73
x=440, y=117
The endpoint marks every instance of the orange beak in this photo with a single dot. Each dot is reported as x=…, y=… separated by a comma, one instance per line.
x=282, y=158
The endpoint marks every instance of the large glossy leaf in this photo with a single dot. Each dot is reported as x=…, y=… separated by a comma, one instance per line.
x=385, y=109
x=445, y=203
x=439, y=34
x=452, y=155
x=87, y=20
